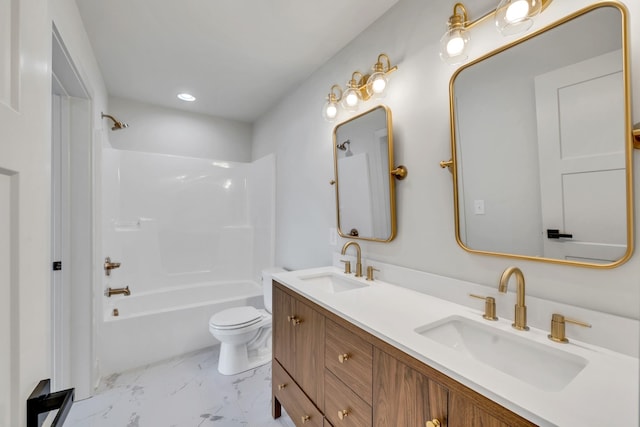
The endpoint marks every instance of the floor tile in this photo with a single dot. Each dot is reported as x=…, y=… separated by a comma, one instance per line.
x=181, y=392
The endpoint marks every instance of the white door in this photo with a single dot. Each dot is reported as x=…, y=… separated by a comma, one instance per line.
x=25, y=186
x=582, y=159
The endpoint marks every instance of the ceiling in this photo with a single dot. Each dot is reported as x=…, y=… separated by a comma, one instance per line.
x=237, y=57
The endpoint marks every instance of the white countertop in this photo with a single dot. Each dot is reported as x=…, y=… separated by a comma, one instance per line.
x=604, y=393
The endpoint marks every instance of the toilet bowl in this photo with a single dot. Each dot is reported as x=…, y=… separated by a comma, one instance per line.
x=245, y=338
x=244, y=333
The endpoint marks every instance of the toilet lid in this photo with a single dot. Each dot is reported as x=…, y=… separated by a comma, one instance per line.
x=236, y=317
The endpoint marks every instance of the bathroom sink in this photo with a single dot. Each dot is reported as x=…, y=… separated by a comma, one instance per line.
x=332, y=282
x=539, y=365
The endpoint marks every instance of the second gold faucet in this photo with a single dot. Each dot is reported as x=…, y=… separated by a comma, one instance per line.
x=520, y=315
x=358, y=256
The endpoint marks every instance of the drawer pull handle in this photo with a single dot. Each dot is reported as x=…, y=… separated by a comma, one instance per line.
x=294, y=320
x=305, y=418
x=433, y=423
x=281, y=386
x=343, y=357
x=343, y=413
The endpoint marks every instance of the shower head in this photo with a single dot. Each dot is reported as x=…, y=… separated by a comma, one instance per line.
x=345, y=146
x=116, y=123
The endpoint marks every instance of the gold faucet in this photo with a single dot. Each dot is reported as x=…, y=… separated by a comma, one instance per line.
x=358, y=256
x=117, y=291
x=521, y=309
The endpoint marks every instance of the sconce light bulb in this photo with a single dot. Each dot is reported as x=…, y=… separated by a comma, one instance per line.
x=516, y=16
x=378, y=84
x=332, y=111
x=352, y=99
x=455, y=46
x=517, y=11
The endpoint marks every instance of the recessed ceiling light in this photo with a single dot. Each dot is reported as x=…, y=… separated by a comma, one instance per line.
x=186, y=97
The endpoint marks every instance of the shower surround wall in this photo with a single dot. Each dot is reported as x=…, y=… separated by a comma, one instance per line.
x=179, y=225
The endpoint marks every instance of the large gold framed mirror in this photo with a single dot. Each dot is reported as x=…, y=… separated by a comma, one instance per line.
x=363, y=165
x=542, y=144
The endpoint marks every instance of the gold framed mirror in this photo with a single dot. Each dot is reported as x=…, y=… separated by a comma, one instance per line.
x=363, y=166
x=541, y=142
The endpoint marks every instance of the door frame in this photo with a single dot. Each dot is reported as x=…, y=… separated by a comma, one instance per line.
x=73, y=329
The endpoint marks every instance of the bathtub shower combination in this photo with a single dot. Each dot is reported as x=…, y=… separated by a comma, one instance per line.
x=192, y=237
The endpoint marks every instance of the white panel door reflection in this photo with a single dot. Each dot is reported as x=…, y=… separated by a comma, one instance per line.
x=582, y=163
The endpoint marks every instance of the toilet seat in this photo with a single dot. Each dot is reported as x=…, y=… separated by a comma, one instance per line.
x=235, y=318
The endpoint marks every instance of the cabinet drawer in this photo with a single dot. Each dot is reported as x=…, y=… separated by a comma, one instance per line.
x=301, y=410
x=343, y=408
x=349, y=357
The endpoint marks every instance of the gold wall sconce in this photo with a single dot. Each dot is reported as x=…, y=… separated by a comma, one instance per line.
x=510, y=17
x=636, y=135
x=360, y=88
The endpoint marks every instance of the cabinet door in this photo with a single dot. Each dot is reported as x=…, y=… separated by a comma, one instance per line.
x=309, y=351
x=464, y=413
x=283, y=332
x=403, y=397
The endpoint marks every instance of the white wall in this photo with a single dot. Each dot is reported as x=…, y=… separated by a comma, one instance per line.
x=419, y=98
x=154, y=129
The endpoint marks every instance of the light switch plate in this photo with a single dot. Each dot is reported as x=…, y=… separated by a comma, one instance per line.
x=333, y=236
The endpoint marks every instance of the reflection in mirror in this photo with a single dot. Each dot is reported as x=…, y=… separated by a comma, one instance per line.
x=540, y=138
x=365, y=192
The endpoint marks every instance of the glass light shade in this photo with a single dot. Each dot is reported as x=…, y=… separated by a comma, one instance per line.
x=377, y=84
x=516, y=16
x=453, y=46
x=330, y=110
x=351, y=99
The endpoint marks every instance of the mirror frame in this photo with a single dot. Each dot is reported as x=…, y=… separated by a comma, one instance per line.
x=628, y=143
x=392, y=184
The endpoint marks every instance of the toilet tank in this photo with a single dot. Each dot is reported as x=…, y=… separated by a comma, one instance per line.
x=267, y=277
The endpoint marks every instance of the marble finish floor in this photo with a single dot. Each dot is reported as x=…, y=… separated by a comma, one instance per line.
x=185, y=391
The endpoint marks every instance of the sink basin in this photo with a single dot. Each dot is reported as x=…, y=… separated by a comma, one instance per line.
x=541, y=366
x=332, y=282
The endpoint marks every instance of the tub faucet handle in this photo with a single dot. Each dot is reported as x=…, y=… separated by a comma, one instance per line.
x=108, y=266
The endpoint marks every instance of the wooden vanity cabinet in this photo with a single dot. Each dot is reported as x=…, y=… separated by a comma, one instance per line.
x=351, y=378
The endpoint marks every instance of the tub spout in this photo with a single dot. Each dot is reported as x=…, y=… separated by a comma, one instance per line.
x=117, y=291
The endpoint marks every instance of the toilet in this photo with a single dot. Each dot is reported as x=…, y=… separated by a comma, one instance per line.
x=244, y=332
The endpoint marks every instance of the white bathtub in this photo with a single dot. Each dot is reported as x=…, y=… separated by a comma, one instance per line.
x=154, y=326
